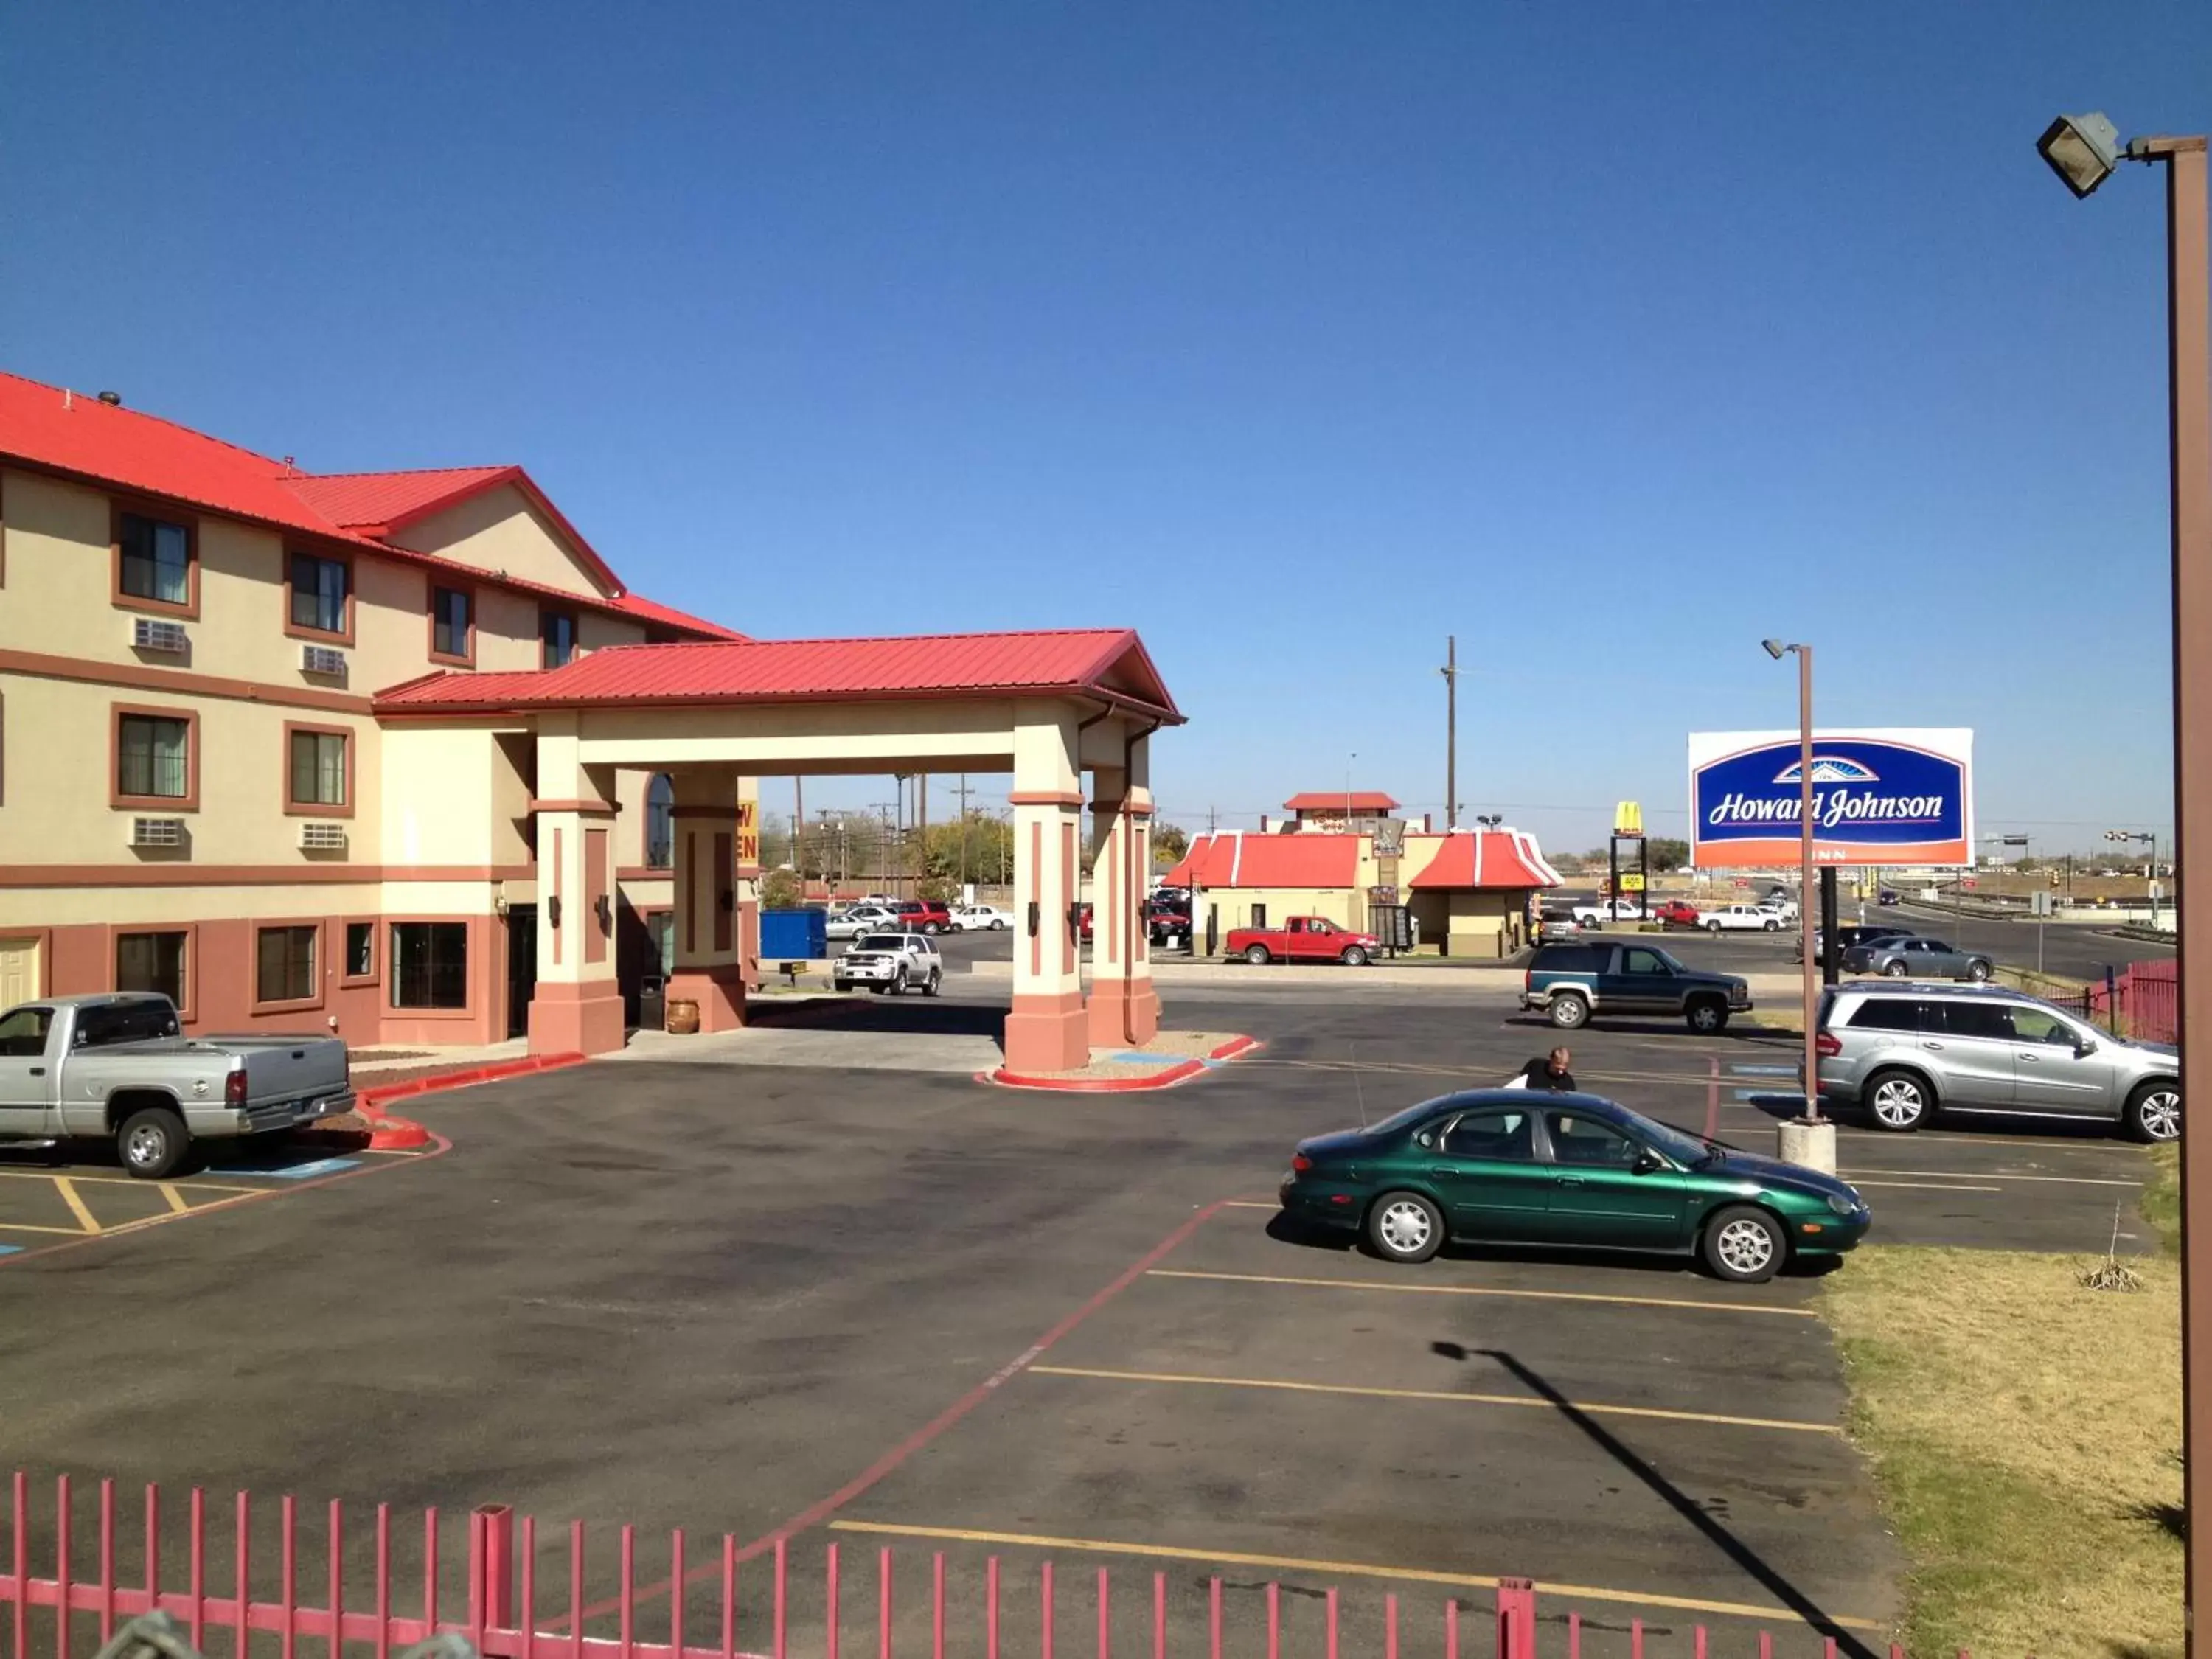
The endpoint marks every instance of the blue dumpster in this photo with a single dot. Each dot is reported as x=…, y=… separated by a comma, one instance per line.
x=793, y=935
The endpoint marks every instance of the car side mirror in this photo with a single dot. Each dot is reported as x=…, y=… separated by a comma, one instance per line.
x=1649, y=1164
x=2085, y=1048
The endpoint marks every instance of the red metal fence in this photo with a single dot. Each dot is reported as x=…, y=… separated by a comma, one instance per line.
x=233, y=1595
x=2143, y=1000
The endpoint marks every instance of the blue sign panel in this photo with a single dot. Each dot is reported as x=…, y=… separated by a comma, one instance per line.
x=1886, y=797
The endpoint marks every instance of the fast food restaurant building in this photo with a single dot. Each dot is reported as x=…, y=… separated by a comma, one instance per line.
x=399, y=755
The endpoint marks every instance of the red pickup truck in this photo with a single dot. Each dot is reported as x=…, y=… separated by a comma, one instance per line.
x=1302, y=938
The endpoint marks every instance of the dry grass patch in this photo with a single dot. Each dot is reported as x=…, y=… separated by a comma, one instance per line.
x=2026, y=1432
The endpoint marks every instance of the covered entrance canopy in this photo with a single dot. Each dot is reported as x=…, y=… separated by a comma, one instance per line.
x=1050, y=707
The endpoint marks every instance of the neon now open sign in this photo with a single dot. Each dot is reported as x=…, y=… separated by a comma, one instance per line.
x=1901, y=796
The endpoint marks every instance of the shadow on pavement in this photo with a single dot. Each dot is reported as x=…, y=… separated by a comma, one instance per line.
x=913, y=1014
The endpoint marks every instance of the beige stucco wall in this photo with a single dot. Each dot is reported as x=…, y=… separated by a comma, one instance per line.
x=452, y=796
x=500, y=530
x=1234, y=905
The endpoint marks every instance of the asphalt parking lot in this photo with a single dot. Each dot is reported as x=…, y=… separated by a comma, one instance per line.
x=899, y=1311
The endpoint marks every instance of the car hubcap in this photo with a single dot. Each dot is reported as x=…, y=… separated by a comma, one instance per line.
x=2161, y=1114
x=1405, y=1228
x=1746, y=1246
x=1897, y=1104
x=1702, y=1017
x=147, y=1144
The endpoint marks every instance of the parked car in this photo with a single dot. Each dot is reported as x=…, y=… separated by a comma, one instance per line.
x=1556, y=922
x=1597, y=913
x=1676, y=912
x=1887, y=896
x=118, y=1066
x=1906, y=1052
x=1500, y=1166
x=860, y=919
x=1168, y=927
x=981, y=918
x=890, y=963
x=1575, y=981
x=1302, y=938
x=923, y=915
x=1849, y=937
x=1740, y=918
x=1918, y=958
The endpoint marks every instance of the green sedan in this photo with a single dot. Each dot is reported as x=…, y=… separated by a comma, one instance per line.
x=1512, y=1166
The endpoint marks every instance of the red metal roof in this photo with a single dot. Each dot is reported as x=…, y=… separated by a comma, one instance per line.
x=1237, y=858
x=67, y=432
x=667, y=615
x=1109, y=663
x=1486, y=858
x=1336, y=800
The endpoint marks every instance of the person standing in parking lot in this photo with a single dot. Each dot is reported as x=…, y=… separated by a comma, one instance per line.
x=1549, y=1072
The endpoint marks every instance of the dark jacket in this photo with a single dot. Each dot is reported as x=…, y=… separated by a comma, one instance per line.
x=1540, y=1075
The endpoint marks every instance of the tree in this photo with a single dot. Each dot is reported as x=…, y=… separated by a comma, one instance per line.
x=1668, y=853
x=1171, y=842
x=978, y=847
x=780, y=891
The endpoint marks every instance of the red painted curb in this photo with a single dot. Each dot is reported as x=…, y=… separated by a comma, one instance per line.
x=1234, y=1048
x=370, y=1101
x=397, y=1134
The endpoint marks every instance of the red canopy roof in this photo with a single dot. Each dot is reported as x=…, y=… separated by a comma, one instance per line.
x=66, y=432
x=1109, y=664
x=1234, y=858
x=1488, y=857
x=1337, y=800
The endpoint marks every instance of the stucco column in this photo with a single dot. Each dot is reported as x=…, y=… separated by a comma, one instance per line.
x=576, y=1006
x=1045, y=1028
x=1124, y=1010
x=709, y=967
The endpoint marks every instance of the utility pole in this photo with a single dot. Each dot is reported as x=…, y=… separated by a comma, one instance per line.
x=1450, y=672
x=799, y=832
x=964, y=829
x=921, y=817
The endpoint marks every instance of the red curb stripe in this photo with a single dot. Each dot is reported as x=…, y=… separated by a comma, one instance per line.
x=1235, y=1048
x=370, y=1101
x=397, y=1134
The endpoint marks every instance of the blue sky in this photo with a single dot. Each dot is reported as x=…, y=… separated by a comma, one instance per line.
x=1610, y=339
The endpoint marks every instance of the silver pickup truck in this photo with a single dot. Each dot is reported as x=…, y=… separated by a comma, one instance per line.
x=119, y=1066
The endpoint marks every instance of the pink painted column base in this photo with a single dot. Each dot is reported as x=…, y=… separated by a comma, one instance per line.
x=1047, y=1033
x=568, y=1018
x=1123, y=1012
x=719, y=991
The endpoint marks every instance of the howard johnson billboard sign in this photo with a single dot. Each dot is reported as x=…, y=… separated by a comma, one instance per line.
x=1892, y=796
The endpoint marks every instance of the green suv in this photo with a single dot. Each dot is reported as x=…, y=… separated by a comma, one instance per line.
x=1574, y=979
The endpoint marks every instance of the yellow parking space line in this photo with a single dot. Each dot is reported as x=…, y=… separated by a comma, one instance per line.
x=67, y=1188
x=1537, y=1400
x=83, y=1180
x=25, y=1227
x=1339, y=1569
x=1996, y=1174
x=173, y=1198
x=1487, y=1290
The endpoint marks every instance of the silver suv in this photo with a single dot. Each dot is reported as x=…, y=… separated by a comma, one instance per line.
x=1904, y=1050
x=892, y=963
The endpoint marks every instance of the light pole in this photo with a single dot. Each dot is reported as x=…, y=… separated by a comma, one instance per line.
x=1350, y=760
x=1777, y=650
x=2084, y=150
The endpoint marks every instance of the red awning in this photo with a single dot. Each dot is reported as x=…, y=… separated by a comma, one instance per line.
x=1488, y=859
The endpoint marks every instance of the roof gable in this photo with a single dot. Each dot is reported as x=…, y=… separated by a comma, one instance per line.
x=1237, y=857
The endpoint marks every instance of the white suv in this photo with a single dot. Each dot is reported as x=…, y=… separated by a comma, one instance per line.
x=891, y=964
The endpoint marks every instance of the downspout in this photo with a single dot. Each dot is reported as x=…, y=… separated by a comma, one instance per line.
x=1129, y=875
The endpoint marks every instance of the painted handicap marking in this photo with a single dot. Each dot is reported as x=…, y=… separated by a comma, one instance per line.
x=1140, y=1057
x=9, y=1249
x=321, y=1166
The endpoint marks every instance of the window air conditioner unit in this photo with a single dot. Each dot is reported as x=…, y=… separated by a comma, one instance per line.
x=322, y=660
x=157, y=832
x=322, y=837
x=147, y=634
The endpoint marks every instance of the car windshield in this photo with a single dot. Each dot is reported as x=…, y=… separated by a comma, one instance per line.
x=1678, y=1144
x=883, y=942
x=1406, y=1118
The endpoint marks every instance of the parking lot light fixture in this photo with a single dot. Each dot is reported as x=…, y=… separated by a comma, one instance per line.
x=2083, y=151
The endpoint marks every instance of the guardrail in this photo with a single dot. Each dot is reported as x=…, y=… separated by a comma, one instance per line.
x=526, y=1593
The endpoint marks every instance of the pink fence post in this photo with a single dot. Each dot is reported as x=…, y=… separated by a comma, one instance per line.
x=529, y=1606
x=243, y=1551
x=430, y=1570
x=106, y=1560
x=1105, y=1632
x=729, y=1597
x=1213, y=1618
x=491, y=1588
x=1451, y=1626
x=337, y=1602
x=1701, y=1641
x=628, y=1611
x=383, y=1580
x=1044, y=1598
x=1574, y=1635
x=1828, y=1649
x=62, y=1570
x=1636, y=1638
x=1274, y=1620
x=1160, y=1617
x=153, y=1547
x=782, y=1586
x=675, y=1590
x=287, y=1542
x=1517, y=1619
x=883, y=1603
x=20, y=1563
x=991, y=1608
x=831, y=1610
x=936, y=1606
x=1765, y=1644
x=575, y=1587
x=196, y=1567
x=1390, y=1627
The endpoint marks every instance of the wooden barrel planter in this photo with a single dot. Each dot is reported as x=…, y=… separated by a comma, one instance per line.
x=683, y=1018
